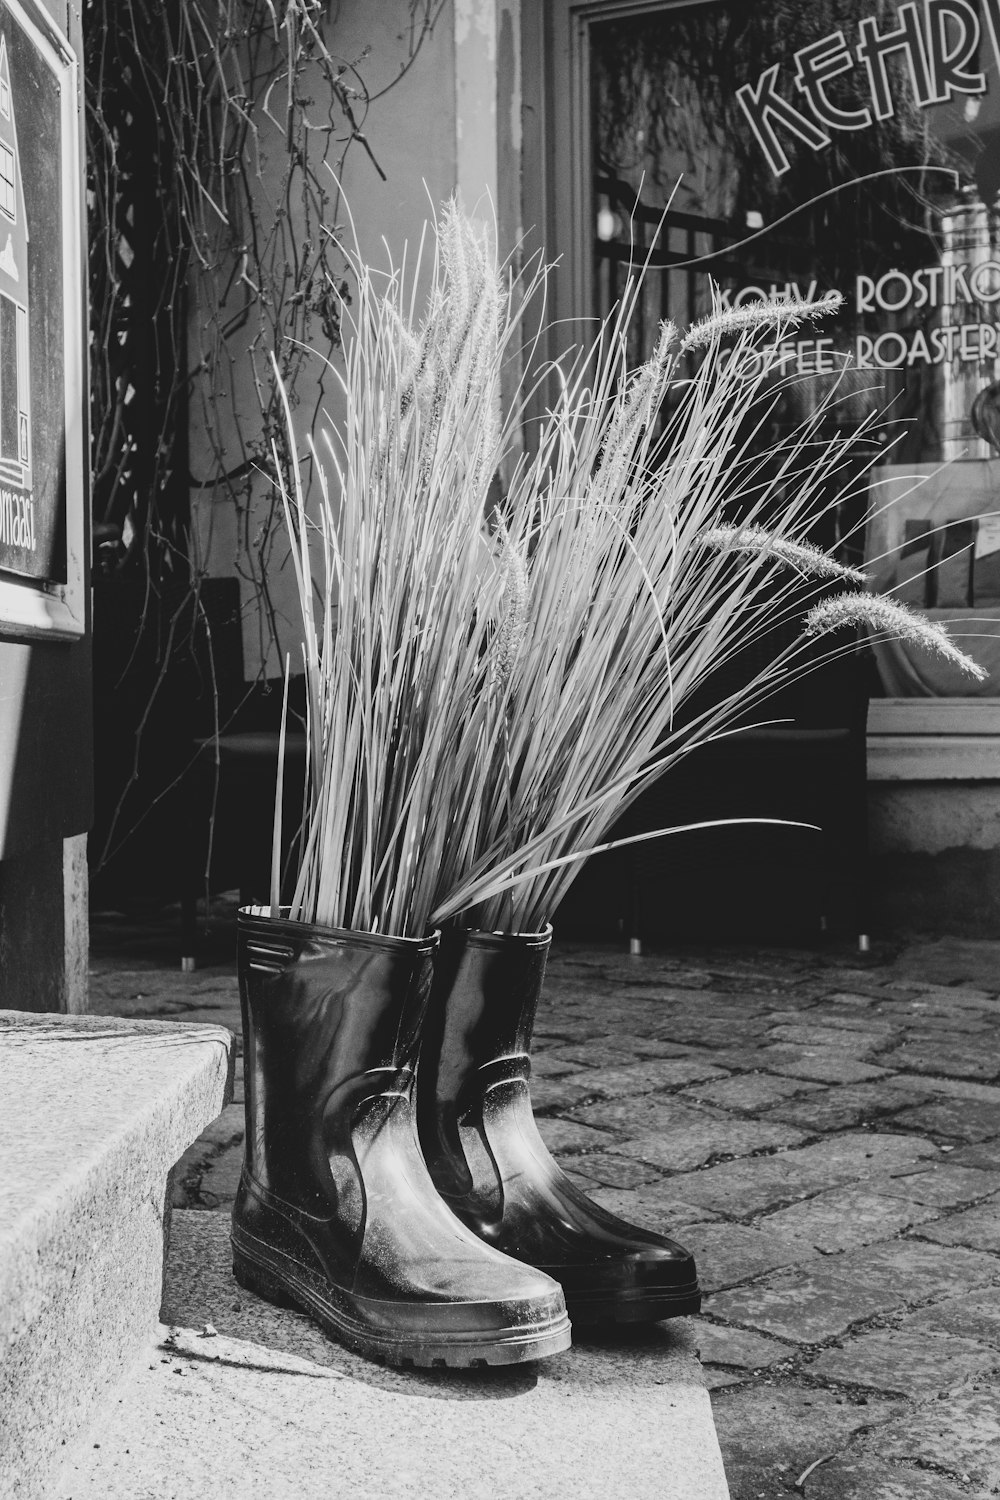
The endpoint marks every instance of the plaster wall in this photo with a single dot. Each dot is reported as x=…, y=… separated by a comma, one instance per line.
x=929, y=817
x=412, y=125
x=935, y=857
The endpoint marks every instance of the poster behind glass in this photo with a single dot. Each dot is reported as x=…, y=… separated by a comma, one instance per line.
x=849, y=145
x=32, y=356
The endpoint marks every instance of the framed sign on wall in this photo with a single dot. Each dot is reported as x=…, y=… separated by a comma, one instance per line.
x=43, y=473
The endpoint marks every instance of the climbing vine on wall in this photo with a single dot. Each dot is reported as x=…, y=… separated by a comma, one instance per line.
x=217, y=132
x=211, y=129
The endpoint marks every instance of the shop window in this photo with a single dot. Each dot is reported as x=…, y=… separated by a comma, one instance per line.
x=783, y=152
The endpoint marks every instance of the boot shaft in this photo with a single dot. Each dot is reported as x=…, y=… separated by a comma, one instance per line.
x=330, y=1018
x=477, y=1033
x=484, y=995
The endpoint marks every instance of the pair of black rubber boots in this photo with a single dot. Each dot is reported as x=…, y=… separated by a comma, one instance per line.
x=427, y=1226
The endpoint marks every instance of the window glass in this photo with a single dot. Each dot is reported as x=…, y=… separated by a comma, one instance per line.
x=783, y=150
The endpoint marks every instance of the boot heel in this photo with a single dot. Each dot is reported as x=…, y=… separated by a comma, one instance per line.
x=254, y=1278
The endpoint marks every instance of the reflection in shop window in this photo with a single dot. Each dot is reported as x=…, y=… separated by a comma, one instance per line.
x=789, y=150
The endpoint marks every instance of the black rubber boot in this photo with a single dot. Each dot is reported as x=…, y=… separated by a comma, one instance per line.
x=487, y=1159
x=335, y=1211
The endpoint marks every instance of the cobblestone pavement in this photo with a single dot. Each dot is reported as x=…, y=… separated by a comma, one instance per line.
x=822, y=1132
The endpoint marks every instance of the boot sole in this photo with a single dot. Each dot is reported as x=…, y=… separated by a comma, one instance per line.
x=298, y=1289
x=636, y=1306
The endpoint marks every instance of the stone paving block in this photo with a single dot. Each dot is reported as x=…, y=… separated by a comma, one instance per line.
x=856, y=999
x=627, y=1045
x=599, y=1052
x=953, y=1061
x=975, y=1316
x=566, y=1025
x=968, y=1120
x=807, y=1033
x=546, y=1063
x=961, y=1434
x=712, y=1032
x=963, y=1088
x=941, y=1022
x=850, y=1105
x=869, y=1023
x=651, y=1114
x=825, y=1064
x=752, y=1056
x=229, y=1127
x=616, y=1171
x=806, y=1012
x=822, y=1301
x=804, y=1306
x=741, y=1006
x=657, y=1205
x=210, y=1015
x=590, y=1018
x=747, y=1091
x=687, y=1139
x=846, y=1218
x=865, y=1154
x=741, y=1188
x=550, y=1095
x=943, y=1186
x=584, y=1184
x=651, y=1046
x=769, y=1433
x=223, y=1003
x=864, y=1478
x=716, y=1376
x=648, y=1076
x=114, y=999
x=977, y=1228
x=218, y=1184
x=905, y=1362
x=952, y=960
x=914, y=1269
x=727, y=1254
x=730, y=1188
x=569, y=1136
x=736, y=1348
x=954, y=997
x=984, y=1155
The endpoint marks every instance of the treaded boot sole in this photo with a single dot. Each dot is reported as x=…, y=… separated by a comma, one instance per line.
x=633, y=1305
x=294, y=1286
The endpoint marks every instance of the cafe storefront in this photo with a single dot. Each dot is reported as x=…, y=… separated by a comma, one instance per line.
x=780, y=151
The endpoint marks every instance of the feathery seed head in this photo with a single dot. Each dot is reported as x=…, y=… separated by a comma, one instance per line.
x=887, y=617
x=757, y=315
x=759, y=542
x=514, y=594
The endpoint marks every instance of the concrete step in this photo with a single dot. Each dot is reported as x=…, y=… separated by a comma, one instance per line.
x=240, y=1399
x=93, y=1114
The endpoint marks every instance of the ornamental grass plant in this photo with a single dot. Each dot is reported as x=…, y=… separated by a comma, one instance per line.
x=491, y=679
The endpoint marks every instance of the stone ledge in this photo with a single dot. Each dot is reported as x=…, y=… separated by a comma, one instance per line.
x=262, y=1403
x=93, y=1114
